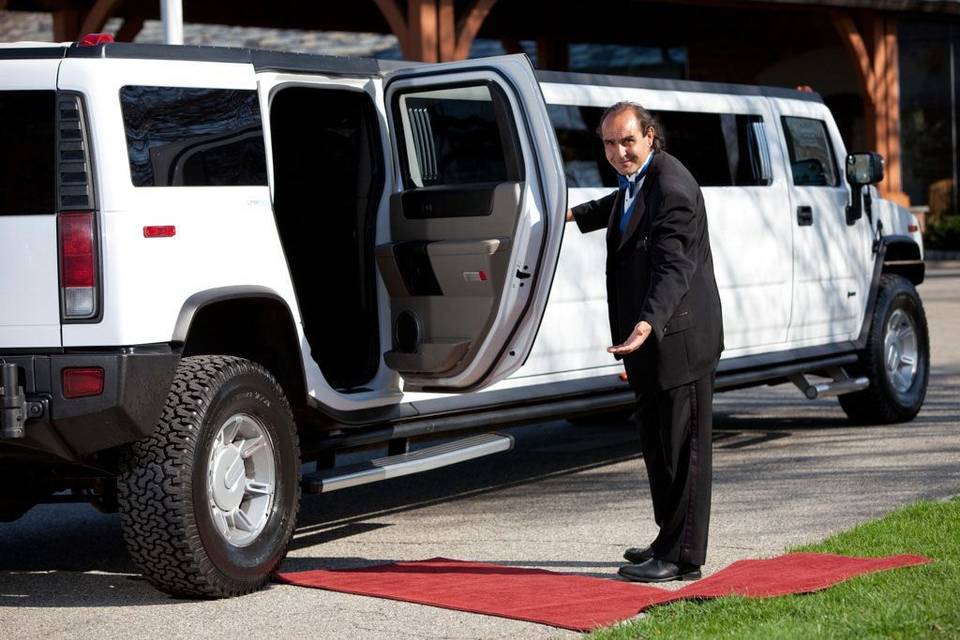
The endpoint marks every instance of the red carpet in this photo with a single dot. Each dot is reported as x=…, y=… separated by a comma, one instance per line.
x=578, y=602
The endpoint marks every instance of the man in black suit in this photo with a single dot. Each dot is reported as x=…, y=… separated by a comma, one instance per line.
x=667, y=327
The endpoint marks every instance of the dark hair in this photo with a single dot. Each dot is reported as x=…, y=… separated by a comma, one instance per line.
x=644, y=117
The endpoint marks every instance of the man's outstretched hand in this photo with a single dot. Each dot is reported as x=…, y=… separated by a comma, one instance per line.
x=636, y=339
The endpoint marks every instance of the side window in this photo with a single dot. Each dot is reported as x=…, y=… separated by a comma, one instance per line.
x=811, y=154
x=27, y=164
x=193, y=137
x=720, y=150
x=584, y=162
x=456, y=136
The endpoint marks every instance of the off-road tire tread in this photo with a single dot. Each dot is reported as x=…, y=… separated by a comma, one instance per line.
x=158, y=526
x=874, y=405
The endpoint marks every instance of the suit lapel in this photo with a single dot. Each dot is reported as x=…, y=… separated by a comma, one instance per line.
x=613, y=224
x=639, y=204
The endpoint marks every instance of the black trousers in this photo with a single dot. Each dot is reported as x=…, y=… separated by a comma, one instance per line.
x=675, y=434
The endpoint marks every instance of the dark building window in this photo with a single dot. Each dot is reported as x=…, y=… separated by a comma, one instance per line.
x=27, y=164
x=720, y=150
x=811, y=154
x=459, y=135
x=193, y=137
x=929, y=114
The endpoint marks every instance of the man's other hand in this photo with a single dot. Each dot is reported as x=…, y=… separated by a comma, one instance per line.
x=636, y=339
x=569, y=217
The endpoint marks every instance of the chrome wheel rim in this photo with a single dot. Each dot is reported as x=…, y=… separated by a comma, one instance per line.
x=241, y=479
x=900, y=350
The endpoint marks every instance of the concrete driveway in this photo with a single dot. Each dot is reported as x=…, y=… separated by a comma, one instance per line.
x=568, y=498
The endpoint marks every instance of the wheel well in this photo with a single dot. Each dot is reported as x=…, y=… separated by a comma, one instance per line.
x=902, y=256
x=258, y=329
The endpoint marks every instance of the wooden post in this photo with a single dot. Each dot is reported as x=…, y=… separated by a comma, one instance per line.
x=97, y=16
x=431, y=31
x=129, y=29
x=878, y=70
x=553, y=54
x=66, y=25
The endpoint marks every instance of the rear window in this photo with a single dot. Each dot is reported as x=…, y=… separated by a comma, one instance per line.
x=184, y=137
x=27, y=164
x=719, y=149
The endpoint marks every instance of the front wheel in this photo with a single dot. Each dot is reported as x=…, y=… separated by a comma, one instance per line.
x=896, y=358
x=208, y=503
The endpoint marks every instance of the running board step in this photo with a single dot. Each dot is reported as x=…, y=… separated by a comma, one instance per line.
x=441, y=455
x=836, y=387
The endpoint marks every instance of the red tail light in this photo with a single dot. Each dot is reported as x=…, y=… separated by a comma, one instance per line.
x=80, y=382
x=78, y=265
x=93, y=39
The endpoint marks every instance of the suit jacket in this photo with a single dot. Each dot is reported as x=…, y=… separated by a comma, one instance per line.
x=660, y=269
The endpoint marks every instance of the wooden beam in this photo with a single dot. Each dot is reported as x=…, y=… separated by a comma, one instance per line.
x=100, y=12
x=66, y=25
x=129, y=29
x=422, y=28
x=431, y=31
x=395, y=20
x=857, y=48
x=469, y=25
x=891, y=83
x=446, y=31
x=879, y=78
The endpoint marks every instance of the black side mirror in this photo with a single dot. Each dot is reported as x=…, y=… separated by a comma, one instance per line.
x=863, y=168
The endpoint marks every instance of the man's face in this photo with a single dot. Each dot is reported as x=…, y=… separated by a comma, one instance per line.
x=626, y=146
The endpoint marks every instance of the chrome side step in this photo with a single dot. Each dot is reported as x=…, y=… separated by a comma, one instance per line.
x=840, y=385
x=407, y=463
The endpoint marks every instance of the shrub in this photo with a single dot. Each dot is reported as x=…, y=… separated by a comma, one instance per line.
x=944, y=234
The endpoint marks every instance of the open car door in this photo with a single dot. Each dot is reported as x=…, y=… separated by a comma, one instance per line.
x=476, y=222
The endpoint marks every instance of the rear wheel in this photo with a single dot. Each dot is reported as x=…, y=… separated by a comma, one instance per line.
x=896, y=358
x=208, y=503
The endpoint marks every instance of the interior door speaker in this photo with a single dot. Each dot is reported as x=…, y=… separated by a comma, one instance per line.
x=407, y=332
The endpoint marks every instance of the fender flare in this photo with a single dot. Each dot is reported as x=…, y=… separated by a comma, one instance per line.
x=201, y=299
x=895, y=254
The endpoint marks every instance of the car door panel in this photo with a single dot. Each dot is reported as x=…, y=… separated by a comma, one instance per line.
x=475, y=228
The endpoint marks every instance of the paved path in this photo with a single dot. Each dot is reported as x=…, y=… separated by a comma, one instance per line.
x=567, y=498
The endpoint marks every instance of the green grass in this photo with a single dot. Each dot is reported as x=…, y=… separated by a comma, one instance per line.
x=913, y=602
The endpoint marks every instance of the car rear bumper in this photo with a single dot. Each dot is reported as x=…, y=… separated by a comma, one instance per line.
x=135, y=384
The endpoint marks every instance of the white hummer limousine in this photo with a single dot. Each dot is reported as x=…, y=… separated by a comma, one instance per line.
x=219, y=264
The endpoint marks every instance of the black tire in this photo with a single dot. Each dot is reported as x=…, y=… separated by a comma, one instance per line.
x=882, y=402
x=165, y=496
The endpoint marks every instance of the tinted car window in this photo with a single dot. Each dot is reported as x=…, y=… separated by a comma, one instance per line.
x=27, y=164
x=193, y=137
x=458, y=135
x=719, y=149
x=584, y=162
x=811, y=154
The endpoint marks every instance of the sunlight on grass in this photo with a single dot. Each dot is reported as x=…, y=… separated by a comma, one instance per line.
x=915, y=602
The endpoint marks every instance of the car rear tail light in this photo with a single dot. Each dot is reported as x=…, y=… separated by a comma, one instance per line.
x=78, y=265
x=82, y=382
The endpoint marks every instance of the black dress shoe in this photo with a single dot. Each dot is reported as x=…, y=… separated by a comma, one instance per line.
x=636, y=555
x=656, y=570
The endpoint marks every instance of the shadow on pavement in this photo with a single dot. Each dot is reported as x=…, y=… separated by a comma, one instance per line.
x=73, y=556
